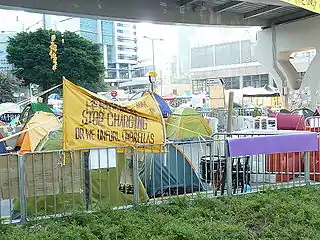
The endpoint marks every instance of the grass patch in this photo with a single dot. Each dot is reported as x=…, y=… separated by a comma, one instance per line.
x=284, y=214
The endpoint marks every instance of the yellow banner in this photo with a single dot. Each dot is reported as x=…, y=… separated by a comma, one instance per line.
x=275, y=101
x=311, y=5
x=92, y=122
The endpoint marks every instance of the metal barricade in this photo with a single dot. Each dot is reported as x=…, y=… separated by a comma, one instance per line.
x=56, y=183
x=313, y=125
x=222, y=116
x=10, y=185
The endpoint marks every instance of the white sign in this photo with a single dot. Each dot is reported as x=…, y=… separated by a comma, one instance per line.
x=107, y=159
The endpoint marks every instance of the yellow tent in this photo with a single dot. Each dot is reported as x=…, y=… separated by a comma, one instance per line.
x=38, y=127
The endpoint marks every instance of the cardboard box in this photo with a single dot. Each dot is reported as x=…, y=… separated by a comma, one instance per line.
x=9, y=177
x=53, y=173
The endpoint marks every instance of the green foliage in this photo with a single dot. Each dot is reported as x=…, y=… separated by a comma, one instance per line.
x=79, y=60
x=285, y=214
x=8, y=85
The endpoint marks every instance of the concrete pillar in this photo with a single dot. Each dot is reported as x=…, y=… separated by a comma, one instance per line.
x=293, y=77
x=130, y=71
x=105, y=58
x=118, y=71
x=268, y=58
x=241, y=82
x=311, y=83
x=273, y=50
x=99, y=32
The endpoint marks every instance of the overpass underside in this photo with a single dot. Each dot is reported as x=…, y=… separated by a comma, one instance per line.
x=206, y=12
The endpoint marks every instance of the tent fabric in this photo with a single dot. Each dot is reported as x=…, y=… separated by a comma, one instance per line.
x=164, y=107
x=51, y=142
x=40, y=125
x=170, y=172
x=187, y=123
x=32, y=108
x=40, y=107
x=289, y=121
x=3, y=146
x=20, y=139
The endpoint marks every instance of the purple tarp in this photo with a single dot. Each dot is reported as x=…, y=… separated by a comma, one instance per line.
x=300, y=142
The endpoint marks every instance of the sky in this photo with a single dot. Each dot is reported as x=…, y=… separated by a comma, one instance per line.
x=12, y=21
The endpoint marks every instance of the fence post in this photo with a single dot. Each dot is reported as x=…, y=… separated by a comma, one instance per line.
x=229, y=175
x=22, y=196
x=228, y=170
x=135, y=176
x=307, y=167
x=229, y=130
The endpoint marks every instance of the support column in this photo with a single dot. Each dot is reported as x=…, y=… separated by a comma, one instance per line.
x=267, y=54
x=241, y=82
x=130, y=71
x=118, y=71
x=311, y=83
x=273, y=50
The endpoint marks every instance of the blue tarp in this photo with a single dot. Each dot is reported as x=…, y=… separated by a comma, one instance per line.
x=164, y=108
x=3, y=148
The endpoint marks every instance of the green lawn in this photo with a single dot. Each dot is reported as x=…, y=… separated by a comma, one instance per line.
x=286, y=214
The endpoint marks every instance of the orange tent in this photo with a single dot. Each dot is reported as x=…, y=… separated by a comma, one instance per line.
x=37, y=128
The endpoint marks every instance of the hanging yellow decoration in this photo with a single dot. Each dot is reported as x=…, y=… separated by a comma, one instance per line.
x=53, y=53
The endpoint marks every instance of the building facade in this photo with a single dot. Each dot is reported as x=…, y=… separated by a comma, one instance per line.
x=184, y=33
x=119, y=44
x=117, y=40
x=139, y=80
x=4, y=65
x=235, y=64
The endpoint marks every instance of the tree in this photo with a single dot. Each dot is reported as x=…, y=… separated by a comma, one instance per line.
x=79, y=60
x=8, y=86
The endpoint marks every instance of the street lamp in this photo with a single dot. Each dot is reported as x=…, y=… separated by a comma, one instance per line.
x=153, y=62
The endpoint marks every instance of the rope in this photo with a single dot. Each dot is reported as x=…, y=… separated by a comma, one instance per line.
x=26, y=130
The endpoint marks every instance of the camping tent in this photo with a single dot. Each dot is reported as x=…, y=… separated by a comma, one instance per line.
x=187, y=123
x=164, y=107
x=169, y=173
x=172, y=169
x=31, y=109
x=38, y=127
x=3, y=146
x=51, y=142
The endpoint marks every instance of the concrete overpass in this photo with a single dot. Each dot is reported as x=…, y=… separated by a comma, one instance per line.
x=207, y=12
